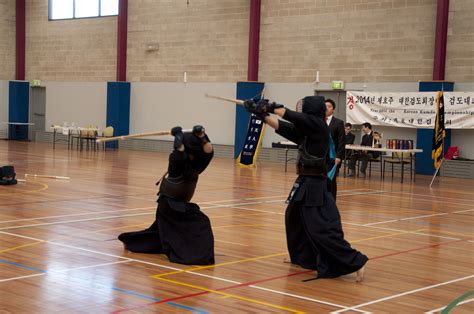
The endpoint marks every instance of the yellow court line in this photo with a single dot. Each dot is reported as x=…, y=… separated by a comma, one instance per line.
x=45, y=186
x=217, y=265
x=231, y=295
x=235, y=243
x=269, y=256
x=20, y=246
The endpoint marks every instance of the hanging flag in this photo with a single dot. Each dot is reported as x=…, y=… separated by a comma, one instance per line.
x=253, y=141
x=439, y=132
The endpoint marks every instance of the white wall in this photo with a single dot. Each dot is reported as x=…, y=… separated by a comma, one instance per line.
x=3, y=102
x=289, y=93
x=464, y=139
x=82, y=103
x=161, y=106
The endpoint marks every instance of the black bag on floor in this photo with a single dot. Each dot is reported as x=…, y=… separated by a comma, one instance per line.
x=7, y=175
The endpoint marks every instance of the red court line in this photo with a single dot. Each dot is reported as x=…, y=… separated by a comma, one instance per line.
x=207, y=292
x=417, y=249
x=278, y=277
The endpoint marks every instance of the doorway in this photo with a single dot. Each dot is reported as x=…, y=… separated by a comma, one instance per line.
x=37, y=110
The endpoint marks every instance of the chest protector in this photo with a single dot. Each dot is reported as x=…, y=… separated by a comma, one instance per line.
x=310, y=165
x=180, y=188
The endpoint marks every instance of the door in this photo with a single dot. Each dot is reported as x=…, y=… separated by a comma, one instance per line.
x=339, y=97
x=37, y=109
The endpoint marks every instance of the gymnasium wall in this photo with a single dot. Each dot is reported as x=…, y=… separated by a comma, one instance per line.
x=69, y=50
x=207, y=39
x=460, y=50
x=373, y=45
x=7, y=40
x=161, y=106
x=82, y=103
x=354, y=41
x=3, y=104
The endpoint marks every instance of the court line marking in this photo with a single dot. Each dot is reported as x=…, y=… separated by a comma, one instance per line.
x=429, y=196
x=213, y=203
x=78, y=214
x=218, y=265
x=44, y=187
x=445, y=306
x=22, y=266
x=117, y=216
x=231, y=296
x=394, y=229
x=157, y=265
x=49, y=272
x=417, y=217
x=354, y=224
x=119, y=210
x=403, y=219
x=156, y=299
x=448, y=232
x=80, y=220
x=20, y=246
x=419, y=199
x=215, y=277
x=403, y=294
x=139, y=260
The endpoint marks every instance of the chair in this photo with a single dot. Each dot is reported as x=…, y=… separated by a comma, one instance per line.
x=396, y=159
x=90, y=136
x=379, y=160
x=108, y=132
x=369, y=161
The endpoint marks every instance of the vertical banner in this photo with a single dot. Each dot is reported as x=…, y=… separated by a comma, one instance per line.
x=253, y=141
x=439, y=132
x=245, y=90
x=18, y=109
x=424, y=137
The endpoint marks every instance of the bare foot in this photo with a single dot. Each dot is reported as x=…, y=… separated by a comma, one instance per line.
x=360, y=274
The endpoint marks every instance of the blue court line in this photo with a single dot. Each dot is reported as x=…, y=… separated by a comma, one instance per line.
x=156, y=299
x=24, y=266
x=116, y=289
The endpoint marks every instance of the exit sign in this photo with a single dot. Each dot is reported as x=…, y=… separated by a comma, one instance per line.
x=35, y=83
x=337, y=85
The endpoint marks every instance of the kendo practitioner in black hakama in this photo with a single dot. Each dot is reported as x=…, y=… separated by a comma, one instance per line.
x=181, y=230
x=314, y=232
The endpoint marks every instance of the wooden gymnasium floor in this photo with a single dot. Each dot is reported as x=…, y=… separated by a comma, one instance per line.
x=59, y=253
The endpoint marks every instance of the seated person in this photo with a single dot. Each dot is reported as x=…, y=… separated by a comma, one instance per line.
x=349, y=138
x=181, y=230
x=363, y=156
x=7, y=175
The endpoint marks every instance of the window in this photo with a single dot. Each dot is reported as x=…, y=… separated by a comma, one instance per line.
x=73, y=9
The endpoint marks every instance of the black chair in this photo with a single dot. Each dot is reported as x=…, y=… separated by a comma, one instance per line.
x=396, y=159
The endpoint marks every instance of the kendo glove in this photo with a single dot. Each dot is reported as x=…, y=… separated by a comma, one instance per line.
x=177, y=132
x=200, y=132
x=269, y=107
x=250, y=105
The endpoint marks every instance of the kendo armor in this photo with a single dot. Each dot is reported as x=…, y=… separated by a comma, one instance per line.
x=7, y=175
x=309, y=165
x=180, y=188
